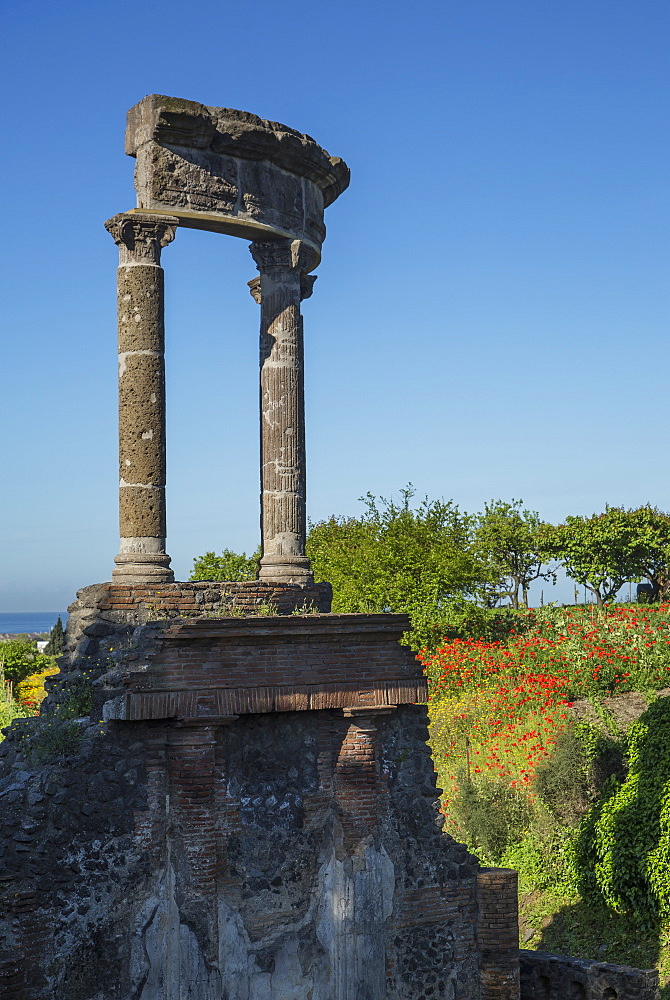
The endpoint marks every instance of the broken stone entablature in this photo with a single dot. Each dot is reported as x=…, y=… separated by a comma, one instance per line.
x=231, y=171
x=208, y=669
x=106, y=621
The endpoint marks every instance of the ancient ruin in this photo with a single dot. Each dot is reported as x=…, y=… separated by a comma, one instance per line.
x=217, y=804
x=229, y=172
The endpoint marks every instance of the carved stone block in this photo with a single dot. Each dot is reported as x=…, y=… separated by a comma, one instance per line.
x=230, y=171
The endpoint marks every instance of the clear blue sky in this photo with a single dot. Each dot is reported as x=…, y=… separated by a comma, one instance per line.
x=491, y=314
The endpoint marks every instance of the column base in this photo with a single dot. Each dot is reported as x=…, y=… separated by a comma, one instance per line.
x=286, y=569
x=142, y=567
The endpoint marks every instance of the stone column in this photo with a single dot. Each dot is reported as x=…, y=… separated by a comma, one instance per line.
x=283, y=282
x=142, y=557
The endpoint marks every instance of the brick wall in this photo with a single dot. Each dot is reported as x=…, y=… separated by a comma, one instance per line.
x=205, y=597
x=216, y=668
x=356, y=780
x=191, y=756
x=498, y=933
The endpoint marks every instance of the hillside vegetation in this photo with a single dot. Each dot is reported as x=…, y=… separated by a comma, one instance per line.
x=553, y=749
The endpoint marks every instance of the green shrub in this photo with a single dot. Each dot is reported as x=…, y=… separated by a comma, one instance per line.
x=19, y=658
x=435, y=623
x=228, y=566
x=571, y=778
x=544, y=857
x=623, y=849
x=491, y=816
x=10, y=710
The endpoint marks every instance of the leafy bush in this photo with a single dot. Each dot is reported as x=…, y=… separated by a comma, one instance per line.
x=489, y=815
x=397, y=557
x=584, y=758
x=229, y=566
x=433, y=623
x=623, y=851
x=19, y=658
x=78, y=699
x=543, y=857
x=10, y=710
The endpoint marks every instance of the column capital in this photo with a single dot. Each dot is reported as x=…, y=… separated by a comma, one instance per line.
x=283, y=256
x=255, y=289
x=141, y=236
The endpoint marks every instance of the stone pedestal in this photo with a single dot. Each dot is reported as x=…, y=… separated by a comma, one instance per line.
x=142, y=557
x=282, y=284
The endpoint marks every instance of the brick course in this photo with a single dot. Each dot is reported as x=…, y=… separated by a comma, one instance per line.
x=208, y=596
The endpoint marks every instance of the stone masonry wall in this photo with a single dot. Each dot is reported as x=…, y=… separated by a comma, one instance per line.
x=256, y=855
x=291, y=848
x=204, y=668
x=107, y=630
x=281, y=855
x=555, y=977
x=112, y=604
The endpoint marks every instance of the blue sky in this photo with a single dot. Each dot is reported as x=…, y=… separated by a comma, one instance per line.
x=491, y=314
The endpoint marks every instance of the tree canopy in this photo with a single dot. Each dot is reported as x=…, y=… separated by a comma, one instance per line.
x=437, y=563
x=19, y=658
x=56, y=643
x=652, y=528
x=507, y=539
x=396, y=557
x=228, y=566
x=601, y=552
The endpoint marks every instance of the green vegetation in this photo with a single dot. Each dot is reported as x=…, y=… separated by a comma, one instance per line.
x=19, y=658
x=56, y=643
x=10, y=708
x=78, y=699
x=553, y=749
x=507, y=539
x=228, y=566
x=23, y=671
x=550, y=728
x=623, y=850
x=53, y=738
x=606, y=550
x=396, y=558
x=447, y=568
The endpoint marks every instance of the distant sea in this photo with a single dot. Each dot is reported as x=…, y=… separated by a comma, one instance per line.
x=13, y=622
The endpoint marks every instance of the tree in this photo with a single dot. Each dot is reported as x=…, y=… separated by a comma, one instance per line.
x=652, y=527
x=600, y=552
x=394, y=557
x=19, y=658
x=229, y=566
x=56, y=643
x=507, y=539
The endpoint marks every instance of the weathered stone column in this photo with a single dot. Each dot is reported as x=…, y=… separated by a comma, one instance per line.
x=283, y=282
x=142, y=557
